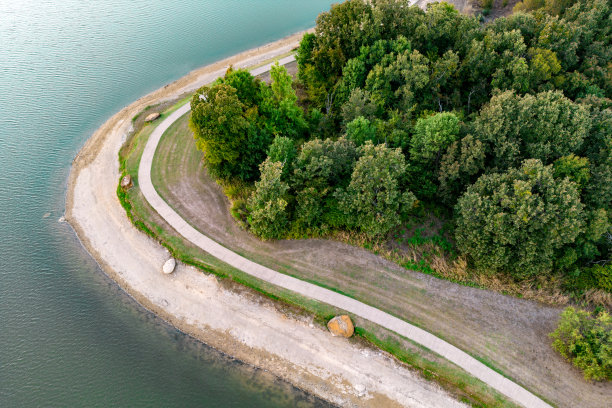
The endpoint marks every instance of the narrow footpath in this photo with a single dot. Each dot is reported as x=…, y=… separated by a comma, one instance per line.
x=352, y=306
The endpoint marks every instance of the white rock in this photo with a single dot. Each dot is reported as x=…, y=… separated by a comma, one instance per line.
x=360, y=388
x=126, y=181
x=169, y=266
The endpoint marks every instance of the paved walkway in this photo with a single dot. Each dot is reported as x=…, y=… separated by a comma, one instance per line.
x=352, y=306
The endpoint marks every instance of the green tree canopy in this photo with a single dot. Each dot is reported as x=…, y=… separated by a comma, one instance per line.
x=279, y=105
x=361, y=130
x=374, y=200
x=227, y=132
x=246, y=85
x=546, y=126
x=268, y=204
x=432, y=135
x=283, y=150
x=321, y=168
x=515, y=222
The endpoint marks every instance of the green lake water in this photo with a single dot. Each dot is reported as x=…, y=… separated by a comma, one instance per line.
x=68, y=336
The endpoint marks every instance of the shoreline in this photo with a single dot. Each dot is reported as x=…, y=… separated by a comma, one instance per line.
x=236, y=322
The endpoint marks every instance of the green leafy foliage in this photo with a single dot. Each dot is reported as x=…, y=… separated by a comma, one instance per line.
x=227, y=131
x=268, y=205
x=320, y=169
x=516, y=221
x=586, y=340
x=279, y=105
x=556, y=127
x=283, y=150
x=374, y=200
x=361, y=130
x=432, y=135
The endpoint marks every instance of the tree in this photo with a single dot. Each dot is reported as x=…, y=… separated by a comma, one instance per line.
x=432, y=135
x=267, y=205
x=515, y=222
x=463, y=161
x=544, y=65
x=546, y=126
x=283, y=150
x=322, y=167
x=361, y=130
x=248, y=88
x=227, y=132
x=324, y=163
x=279, y=105
x=358, y=104
x=373, y=200
x=575, y=168
x=585, y=340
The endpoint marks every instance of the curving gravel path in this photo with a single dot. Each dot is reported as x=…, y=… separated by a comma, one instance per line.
x=448, y=351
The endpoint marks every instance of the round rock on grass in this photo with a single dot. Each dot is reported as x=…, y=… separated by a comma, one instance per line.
x=341, y=326
x=169, y=266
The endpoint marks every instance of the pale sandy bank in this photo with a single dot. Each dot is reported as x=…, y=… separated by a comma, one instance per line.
x=243, y=325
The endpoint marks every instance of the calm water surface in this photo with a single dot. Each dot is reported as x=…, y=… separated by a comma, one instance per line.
x=68, y=335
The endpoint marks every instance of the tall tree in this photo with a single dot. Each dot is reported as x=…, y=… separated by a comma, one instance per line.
x=546, y=126
x=279, y=105
x=374, y=200
x=227, y=132
x=267, y=205
x=515, y=222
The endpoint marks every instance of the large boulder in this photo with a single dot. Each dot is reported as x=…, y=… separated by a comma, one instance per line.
x=169, y=266
x=152, y=116
x=341, y=326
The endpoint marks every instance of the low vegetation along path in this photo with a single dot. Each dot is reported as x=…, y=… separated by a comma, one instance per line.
x=443, y=348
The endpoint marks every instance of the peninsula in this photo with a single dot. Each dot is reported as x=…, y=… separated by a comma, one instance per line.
x=251, y=174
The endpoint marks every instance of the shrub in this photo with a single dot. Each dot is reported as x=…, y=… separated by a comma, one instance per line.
x=586, y=341
x=602, y=275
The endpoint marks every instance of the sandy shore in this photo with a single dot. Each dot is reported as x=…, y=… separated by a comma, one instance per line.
x=246, y=326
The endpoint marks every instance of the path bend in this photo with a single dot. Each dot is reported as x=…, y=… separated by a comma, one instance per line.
x=355, y=307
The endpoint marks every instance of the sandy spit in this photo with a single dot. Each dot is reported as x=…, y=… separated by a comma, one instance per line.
x=248, y=327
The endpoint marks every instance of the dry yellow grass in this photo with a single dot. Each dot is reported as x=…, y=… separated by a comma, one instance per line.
x=546, y=290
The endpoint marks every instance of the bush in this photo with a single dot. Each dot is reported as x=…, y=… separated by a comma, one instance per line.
x=603, y=276
x=586, y=341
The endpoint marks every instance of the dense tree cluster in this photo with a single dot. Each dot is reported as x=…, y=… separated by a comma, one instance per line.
x=506, y=125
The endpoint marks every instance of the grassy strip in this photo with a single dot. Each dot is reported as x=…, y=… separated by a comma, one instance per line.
x=448, y=376
x=452, y=378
